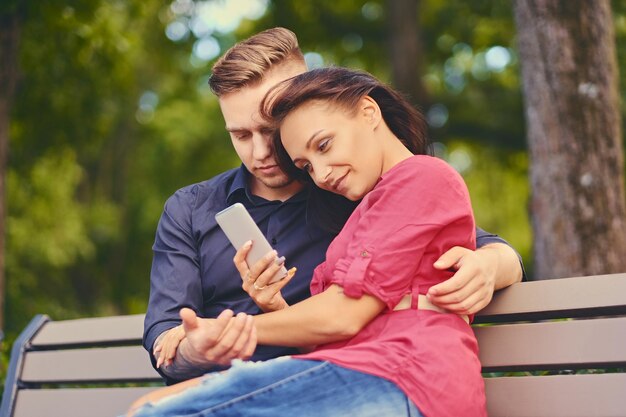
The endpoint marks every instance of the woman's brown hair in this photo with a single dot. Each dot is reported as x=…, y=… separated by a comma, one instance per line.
x=344, y=88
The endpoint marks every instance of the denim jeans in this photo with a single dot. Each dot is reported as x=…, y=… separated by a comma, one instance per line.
x=286, y=387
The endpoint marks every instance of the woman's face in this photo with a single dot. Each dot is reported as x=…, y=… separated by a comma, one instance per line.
x=339, y=150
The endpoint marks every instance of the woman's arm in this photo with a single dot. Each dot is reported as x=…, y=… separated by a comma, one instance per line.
x=326, y=317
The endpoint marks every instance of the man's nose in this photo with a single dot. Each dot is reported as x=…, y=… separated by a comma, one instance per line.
x=261, y=147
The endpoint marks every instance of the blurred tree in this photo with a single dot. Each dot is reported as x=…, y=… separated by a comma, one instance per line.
x=112, y=114
x=570, y=78
x=407, y=50
x=10, y=28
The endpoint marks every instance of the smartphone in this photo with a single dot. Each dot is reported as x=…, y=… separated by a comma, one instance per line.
x=239, y=228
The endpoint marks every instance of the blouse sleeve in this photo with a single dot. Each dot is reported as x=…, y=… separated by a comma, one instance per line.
x=420, y=205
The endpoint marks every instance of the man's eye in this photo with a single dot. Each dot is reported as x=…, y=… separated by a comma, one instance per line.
x=242, y=136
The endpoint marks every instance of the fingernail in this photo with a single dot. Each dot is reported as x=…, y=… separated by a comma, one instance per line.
x=280, y=261
x=247, y=244
x=292, y=271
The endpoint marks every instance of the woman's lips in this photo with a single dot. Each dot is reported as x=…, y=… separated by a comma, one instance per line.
x=338, y=185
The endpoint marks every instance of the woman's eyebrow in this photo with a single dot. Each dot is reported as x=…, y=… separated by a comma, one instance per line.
x=308, y=142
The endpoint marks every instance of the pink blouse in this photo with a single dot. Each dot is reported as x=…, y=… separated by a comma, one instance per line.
x=419, y=209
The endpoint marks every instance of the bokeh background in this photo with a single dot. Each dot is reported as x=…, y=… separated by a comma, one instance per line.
x=112, y=114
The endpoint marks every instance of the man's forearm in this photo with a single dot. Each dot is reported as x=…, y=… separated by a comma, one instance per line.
x=508, y=268
x=185, y=365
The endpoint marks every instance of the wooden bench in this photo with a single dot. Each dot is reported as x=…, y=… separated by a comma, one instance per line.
x=97, y=367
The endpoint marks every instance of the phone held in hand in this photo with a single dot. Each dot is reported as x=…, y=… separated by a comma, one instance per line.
x=239, y=228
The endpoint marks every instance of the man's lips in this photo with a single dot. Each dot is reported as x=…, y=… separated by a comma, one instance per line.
x=266, y=169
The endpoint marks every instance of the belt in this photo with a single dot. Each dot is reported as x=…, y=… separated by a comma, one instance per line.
x=423, y=303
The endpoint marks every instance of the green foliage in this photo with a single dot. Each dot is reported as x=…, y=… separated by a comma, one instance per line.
x=111, y=117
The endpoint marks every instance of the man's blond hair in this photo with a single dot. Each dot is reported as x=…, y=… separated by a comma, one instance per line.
x=248, y=61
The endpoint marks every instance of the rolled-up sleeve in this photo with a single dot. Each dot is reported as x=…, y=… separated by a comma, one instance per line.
x=416, y=209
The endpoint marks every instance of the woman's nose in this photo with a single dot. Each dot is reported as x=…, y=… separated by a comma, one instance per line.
x=323, y=175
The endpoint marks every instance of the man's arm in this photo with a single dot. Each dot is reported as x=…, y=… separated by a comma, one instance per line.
x=230, y=338
x=494, y=265
x=175, y=282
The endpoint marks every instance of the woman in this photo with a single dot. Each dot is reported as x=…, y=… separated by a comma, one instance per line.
x=381, y=347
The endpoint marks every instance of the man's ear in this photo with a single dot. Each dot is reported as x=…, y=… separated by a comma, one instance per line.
x=370, y=111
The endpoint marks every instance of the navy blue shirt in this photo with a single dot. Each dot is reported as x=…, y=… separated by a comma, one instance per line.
x=193, y=260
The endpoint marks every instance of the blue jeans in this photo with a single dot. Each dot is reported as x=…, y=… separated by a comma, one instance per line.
x=286, y=387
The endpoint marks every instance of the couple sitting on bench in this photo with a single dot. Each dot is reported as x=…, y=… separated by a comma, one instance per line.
x=386, y=327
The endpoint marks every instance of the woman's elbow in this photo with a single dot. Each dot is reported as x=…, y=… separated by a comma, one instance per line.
x=342, y=328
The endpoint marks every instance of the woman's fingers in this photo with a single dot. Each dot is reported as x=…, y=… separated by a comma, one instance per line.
x=240, y=259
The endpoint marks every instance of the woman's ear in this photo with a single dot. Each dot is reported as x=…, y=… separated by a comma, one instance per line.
x=370, y=111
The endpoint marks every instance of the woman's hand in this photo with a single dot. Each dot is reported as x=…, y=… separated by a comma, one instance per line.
x=256, y=280
x=165, y=350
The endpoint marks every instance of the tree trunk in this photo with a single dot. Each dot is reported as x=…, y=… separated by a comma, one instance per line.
x=570, y=83
x=9, y=40
x=406, y=50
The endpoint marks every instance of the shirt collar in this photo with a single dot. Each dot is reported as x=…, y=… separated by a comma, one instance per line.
x=241, y=185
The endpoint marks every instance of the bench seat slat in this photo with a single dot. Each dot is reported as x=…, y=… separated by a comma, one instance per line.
x=128, y=363
x=571, y=344
x=92, y=402
x=597, y=395
x=558, y=298
x=90, y=331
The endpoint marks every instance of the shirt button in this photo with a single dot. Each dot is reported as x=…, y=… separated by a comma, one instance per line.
x=273, y=241
x=364, y=254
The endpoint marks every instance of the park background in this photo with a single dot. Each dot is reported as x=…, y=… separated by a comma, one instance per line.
x=110, y=113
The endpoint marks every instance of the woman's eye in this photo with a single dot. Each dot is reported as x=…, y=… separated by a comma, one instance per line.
x=323, y=145
x=306, y=167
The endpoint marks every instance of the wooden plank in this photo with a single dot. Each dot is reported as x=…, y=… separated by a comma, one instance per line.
x=99, y=330
x=74, y=402
x=567, y=297
x=601, y=395
x=571, y=344
x=117, y=364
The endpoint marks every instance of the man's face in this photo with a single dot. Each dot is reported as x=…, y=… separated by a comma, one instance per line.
x=251, y=137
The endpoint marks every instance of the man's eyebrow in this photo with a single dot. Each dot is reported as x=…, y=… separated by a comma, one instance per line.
x=235, y=129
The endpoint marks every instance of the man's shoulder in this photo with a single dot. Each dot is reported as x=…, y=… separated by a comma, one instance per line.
x=218, y=184
x=213, y=190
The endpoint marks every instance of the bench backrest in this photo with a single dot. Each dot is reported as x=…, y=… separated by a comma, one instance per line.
x=556, y=348
x=86, y=367
x=556, y=329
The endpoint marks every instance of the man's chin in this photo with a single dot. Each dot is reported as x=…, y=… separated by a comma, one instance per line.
x=276, y=182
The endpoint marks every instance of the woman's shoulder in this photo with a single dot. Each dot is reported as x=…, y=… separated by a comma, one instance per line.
x=421, y=170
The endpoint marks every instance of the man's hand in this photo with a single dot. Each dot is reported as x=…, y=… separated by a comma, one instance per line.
x=218, y=341
x=478, y=274
x=471, y=287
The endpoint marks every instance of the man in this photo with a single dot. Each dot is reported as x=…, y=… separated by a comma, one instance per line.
x=193, y=260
